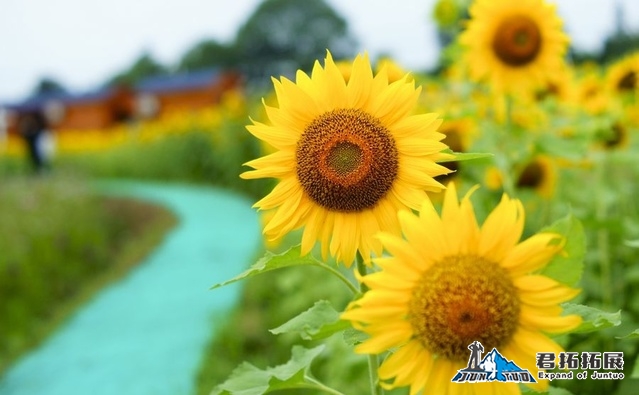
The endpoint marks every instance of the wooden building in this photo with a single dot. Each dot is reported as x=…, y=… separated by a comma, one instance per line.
x=106, y=107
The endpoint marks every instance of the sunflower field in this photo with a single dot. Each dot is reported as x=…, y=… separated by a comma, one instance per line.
x=409, y=218
x=491, y=208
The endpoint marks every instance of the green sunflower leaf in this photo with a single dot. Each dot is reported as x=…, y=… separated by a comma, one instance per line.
x=461, y=156
x=567, y=266
x=631, y=243
x=593, y=319
x=318, y=322
x=247, y=379
x=635, y=370
x=271, y=261
x=632, y=335
x=353, y=337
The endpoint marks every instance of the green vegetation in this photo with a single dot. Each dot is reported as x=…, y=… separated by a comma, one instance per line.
x=268, y=301
x=60, y=244
x=190, y=157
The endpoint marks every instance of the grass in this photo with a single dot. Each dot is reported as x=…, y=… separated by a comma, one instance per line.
x=60, y=245
x=190, y=157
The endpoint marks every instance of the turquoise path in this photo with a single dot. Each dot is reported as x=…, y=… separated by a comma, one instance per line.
x=146, y=334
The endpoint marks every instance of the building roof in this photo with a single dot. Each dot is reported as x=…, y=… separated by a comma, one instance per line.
x=177, y=82
x=152, y=85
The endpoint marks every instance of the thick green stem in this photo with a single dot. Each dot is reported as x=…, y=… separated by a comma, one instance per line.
x=603, y=242
x=373, y=362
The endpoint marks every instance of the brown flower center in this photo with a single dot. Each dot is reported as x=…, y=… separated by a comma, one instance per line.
x=628, y=81
x=532, y=176
x=517, y=41
x=616, y=137
x=346, y=160
x=462, y=299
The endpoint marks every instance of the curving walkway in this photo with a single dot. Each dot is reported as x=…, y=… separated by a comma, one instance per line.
x=145, y=334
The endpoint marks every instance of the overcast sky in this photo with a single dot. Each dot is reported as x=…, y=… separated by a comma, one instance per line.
x=83, y=42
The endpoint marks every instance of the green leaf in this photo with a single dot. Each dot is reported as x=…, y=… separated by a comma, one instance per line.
x=353, y=337
x=246, y=379
x=593, y=319
x=567, y=266
x=632, y=335
x=631, y=243
x=462, y=156
x=635, y=370
x=318, y=322
x=272, y=261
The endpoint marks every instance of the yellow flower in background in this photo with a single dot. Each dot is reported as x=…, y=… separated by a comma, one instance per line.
x=458, y=136
x=394, y=70
x=452, y=282
x=539, y=175
x=514, y=45
x=349, y=157
x=493, y=179
x=615, y=137
x=591, y=94
x=345, y=68
x=446, y=13
x=559, y=87
x=623, y=75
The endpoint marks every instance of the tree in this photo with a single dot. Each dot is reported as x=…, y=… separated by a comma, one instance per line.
x=144, y=67
x=282, y=36
x=208, y=54
x=47, y=86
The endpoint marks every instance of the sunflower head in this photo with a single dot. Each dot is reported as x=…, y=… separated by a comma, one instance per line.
x=623, y=75
x=539, y=175
x=451, y=282
x=515, y=45
x=615, y=137
x=459, y=134
x=349, y=155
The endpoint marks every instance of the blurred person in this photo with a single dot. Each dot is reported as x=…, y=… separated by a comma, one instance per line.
x=32, y=126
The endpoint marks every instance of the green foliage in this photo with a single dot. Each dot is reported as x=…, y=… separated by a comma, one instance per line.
x=633, y=335
x=463, y=156
x=318, y=322
x=269, y=301
x=593, y=319
x=282, y=36
x=49, y=263
x=208, y=54
x=190, y=157
x=271, y=261
x=249, y=380
x=567, y=267
x=145, y=66
x=48, y=85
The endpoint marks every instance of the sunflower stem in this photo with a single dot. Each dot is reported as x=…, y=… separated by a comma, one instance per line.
x=506, y=167
x=603, y=242
x=339, y=275
x=373, y=361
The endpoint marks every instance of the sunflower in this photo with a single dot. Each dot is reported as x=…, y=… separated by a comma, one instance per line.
x=451, y=283
x=623, y=75
x=591, y=94
x=459, y=134
x=615, y=137
x=394, y=70
x=349, y=156
x=540, y=175
x=515, y=45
